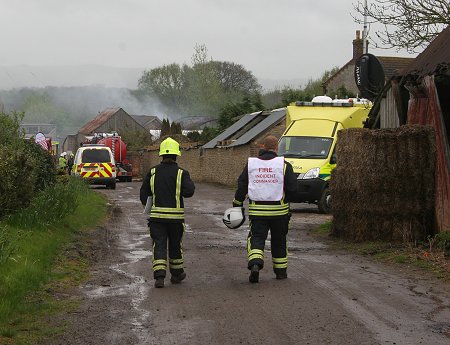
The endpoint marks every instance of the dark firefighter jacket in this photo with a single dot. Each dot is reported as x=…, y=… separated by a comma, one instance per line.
x=167, y=184
x=267, y=208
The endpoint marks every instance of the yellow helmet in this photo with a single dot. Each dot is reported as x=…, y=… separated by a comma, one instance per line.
x=169, y=147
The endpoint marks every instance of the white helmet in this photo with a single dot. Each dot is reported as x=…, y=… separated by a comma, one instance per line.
x=234, y=217
x=63, y=154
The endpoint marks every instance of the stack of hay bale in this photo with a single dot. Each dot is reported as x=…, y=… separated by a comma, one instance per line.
x=383, y=185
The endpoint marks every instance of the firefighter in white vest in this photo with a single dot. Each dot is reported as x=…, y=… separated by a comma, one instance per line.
x=269, y=181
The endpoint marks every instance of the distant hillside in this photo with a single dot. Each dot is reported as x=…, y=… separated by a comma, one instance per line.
x=82, y=75
x=12, y=77
x=272, y=84
x=69, y=108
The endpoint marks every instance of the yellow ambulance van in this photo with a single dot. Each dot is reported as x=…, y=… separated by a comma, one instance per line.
x=309, y=141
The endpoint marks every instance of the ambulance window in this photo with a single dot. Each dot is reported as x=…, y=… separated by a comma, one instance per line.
x=95, y=156
x=282, y=146
x=305, y=147
x=333, y=158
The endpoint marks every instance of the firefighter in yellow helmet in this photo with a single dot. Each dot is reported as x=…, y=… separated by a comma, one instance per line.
x=166, y=184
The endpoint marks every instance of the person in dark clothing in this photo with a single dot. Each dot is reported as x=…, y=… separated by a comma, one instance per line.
x=70, y=163
x=165, y=186
x=268, y=181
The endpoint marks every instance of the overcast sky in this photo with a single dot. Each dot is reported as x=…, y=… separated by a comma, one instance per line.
x=284, y=39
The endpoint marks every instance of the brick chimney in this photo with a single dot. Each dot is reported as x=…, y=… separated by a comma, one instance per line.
x=357, y=46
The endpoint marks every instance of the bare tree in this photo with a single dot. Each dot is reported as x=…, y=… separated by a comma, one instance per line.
x=407, y=24
x=200, y=55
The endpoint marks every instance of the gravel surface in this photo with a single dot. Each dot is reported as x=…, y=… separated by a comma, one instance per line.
x=329, y=297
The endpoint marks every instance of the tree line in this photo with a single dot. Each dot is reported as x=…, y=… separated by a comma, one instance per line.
x=222, y=89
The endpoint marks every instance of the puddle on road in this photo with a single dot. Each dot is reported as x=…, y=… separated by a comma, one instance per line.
x=132, y=288
x=129, y=201
x=137, y=255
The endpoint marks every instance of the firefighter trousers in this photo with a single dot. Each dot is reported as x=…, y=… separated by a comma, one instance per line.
x=163, y=234
x=259, y=229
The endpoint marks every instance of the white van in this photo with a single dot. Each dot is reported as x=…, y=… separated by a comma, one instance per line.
x=96, y=164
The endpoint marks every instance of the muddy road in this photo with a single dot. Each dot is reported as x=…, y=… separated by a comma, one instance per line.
x=329, y=297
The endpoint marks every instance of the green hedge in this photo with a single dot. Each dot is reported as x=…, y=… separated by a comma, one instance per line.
x=25, y=168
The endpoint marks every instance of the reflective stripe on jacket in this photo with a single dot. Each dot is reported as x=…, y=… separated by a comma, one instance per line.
x=167, y=185
x=267, y=208
x=176, y=212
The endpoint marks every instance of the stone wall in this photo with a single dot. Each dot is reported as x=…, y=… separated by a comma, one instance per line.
x=346, y=78
x=218, y=165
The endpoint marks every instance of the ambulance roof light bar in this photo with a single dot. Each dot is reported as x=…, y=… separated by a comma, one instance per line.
x=325, y=101
x=324, y=104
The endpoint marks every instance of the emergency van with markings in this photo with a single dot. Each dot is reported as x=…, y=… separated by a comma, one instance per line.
x=309, y=142
x=96, y=164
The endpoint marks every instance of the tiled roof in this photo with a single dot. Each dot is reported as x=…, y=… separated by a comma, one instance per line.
x=393, y=66
x=92, y=125
x=435, y=59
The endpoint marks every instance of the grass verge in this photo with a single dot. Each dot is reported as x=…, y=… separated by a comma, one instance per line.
x=36, y=261
x=433, y=256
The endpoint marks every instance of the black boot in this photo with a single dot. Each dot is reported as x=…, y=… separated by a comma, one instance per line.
x=254, y=274
x=280, y=273
x=178, y=278
x=159, y=282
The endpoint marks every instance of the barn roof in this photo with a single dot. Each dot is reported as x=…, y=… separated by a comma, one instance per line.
x=247, y=128
x=97, y=121
x=148, y=121
x=197, y=122
x=267, y=122
x=435, y=59
x=231, y=130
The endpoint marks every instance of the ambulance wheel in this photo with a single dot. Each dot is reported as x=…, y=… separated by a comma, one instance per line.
x=325, y=201
x=111, y=185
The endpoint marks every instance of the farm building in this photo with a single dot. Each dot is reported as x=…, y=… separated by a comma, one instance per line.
x=344, y=77
x=149, y=122
x=109, y=120
x=31, y=129
x=419, y=94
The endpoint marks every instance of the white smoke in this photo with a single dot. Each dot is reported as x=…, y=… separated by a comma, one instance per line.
x=78, y=104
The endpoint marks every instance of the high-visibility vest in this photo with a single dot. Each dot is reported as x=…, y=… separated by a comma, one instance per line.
x=62, y=163
x=266, y=187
